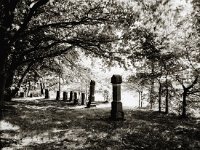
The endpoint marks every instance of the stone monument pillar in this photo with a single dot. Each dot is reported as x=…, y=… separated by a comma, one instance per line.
x=91, y=102
x=71, y=96
x=58, y=95
x=82, y=98
x=64, y=96
x=116, y=110
x=75, y=98
x=46, y=94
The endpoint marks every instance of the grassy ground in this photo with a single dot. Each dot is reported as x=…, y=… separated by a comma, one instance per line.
x=57, y=125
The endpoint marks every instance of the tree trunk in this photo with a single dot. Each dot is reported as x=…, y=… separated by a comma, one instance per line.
x=152, y=86
x=24, y=74
x=184, y=104
x=139, y=98
x=2, y=85
x=167, y=96
x=42, y=88
x=14, y=92
x=9, y=81
x=159, y=97
x=3, y=74
x=167, y=100
x=185, y=94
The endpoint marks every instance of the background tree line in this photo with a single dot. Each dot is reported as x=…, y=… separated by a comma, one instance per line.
x=158, y=38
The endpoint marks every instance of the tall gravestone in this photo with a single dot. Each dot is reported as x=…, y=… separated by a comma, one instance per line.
x=75, y=98
x=65, y=96
x=46, y=93
x=58, y=95
x=116, y=105
x=82, y=98
x=71, y=96
x=91, y=102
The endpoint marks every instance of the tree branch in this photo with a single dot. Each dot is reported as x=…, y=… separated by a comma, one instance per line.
x=54, y=54
x=27, y=19
x=193, y=83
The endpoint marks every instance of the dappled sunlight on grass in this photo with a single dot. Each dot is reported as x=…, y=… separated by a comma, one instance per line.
x=44, y=124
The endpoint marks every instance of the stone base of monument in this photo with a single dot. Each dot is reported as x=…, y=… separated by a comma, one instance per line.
x=117, y=112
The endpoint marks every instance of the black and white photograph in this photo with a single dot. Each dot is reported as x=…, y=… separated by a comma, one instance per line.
x=100, y=74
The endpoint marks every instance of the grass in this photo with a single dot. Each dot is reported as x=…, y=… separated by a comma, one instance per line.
x=57, y=125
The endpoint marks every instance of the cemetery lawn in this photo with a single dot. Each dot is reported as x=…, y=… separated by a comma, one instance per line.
x=47, y=124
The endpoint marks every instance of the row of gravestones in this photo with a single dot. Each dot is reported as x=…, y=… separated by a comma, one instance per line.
x=73, y=96
x=116, y=105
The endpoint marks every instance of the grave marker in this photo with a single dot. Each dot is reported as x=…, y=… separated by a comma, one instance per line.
x=65, y=96
x=46, y=94
x=91, y=102
x=58, y=95
x=116, y=110
x=75, y=98
x=71, y=96
x=82, y=98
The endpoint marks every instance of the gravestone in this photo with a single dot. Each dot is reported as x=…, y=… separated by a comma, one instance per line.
x=91, y=102
x=82, y=98
x=58, y=95
x=71, y=96
x=46, y=94
x=22, y=94
x=116, y=105
x=65, y=96
x=75, y=98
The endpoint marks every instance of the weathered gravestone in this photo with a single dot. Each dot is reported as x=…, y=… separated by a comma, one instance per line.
x=46, y=93
x=116, y=110
x=71, y=96
x=31, y=95
x=82, y=98
x=58, y=95
x=75, y=98
x=65, y=96
x=22, y=94
x=91, y=102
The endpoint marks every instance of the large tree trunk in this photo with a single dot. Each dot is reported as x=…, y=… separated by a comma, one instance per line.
x=3, y=73
x=11, y=93
x=8, y=8
x=8, y=91
x=2, y=83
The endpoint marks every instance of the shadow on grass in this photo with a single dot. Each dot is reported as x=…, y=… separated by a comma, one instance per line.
x=66, y=128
